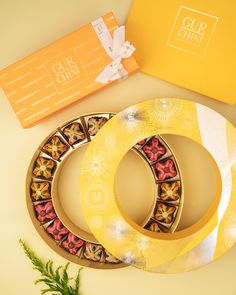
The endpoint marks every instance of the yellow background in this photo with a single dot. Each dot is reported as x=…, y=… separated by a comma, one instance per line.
x=26, y=26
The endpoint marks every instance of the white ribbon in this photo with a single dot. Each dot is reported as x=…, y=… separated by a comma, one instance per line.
x=118, y=50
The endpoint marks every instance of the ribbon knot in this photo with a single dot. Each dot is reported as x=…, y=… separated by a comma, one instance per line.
x=120, y=49
x=116, y=66
x=127, y=49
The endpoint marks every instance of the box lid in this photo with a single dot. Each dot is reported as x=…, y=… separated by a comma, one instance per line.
x=189, y=43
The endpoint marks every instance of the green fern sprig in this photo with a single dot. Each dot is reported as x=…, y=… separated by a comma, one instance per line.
x=56, y=280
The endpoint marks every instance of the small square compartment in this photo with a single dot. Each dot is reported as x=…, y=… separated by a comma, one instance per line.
x=55, y=147
x=74, y=133
x=57, y=230
x=169, y=191
x=109, y=258
x=44, y=168
x=95, y=122
x=40, y=191
x=153, y=149
x=165, y=213
x=165, y=169
x=154, y=226
x=72, y=244
x=94, y=252
x=45, y=212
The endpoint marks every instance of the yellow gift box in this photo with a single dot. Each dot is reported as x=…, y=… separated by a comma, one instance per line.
x=189, y=43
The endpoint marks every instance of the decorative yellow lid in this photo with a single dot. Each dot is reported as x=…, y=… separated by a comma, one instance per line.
x=207, y=239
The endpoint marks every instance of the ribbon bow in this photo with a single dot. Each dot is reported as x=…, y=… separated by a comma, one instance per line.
x=118, y=50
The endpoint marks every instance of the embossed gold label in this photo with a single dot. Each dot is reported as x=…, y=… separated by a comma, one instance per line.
x=65, y=69
x=192, y=31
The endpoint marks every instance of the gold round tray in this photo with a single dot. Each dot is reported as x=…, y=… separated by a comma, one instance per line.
x=47, y=213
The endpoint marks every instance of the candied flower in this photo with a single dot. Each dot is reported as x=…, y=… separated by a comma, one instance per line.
x=95, y=124
x=45, y=212
x=74, y=133
x=55, y=148
x=72, y=243
x=44, y=167
x=154, y=150
x=154, y=227
x=57, y=230
x=93, y=252
x=164, y=213
x=111, y=258
x=165, y=169
x=170, y=191
x=40, y=190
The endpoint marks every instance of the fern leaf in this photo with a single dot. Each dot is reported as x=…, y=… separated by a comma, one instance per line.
x=56, y=281
x=77, y=280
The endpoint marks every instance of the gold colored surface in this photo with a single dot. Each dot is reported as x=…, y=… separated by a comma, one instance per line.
x=137, y=198
x=138, y=201
x=26, y=26
x=198, y=174
x=133, y=167
x=156, y=116
x=87, y=236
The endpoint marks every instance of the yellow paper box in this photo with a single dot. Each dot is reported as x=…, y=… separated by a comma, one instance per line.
x=61, y=73
x=189, y=43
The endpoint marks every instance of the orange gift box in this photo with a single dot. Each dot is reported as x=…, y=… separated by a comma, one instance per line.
x=61, y=73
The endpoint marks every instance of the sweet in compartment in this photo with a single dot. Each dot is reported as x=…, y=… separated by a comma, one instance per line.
x=94, y=252
x=153, y=226
x=109, y=258
x=44, y=167
x=45, y=212
x=57, y=230
x=165, y=213
x=170, y=191
x=74, y=133
x=40, y=190
x=55, y=147
x=72, y=243
x=153, y=149
x=95, y=123
x=165, y=169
